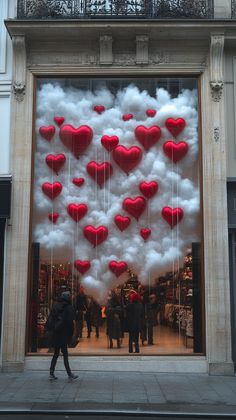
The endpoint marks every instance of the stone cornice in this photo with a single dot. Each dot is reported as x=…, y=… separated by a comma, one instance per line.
x=155, y=29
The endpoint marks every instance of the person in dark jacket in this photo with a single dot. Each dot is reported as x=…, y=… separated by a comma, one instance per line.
x=62, y=335
x=96, y=316
x=113, y=313
x=80, y=308
x=88, y=315
x=151, y=316
x=134, y=317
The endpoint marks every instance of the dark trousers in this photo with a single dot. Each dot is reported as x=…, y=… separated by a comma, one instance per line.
x=89, y=327
x=143, y=333
x=150, y=334
x=134, y=338
x=64, y=351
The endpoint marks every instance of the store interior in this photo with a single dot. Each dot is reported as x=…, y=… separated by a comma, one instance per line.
x=169, y=307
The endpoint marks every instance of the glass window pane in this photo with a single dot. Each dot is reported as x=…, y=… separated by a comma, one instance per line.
x=116, y=214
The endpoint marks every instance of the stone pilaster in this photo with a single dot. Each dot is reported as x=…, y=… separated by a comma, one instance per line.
x=17, y=247
x=218, y=330
x=106, y=56
x=142, y=49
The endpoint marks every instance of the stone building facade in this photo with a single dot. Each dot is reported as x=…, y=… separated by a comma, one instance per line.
x=200, y=48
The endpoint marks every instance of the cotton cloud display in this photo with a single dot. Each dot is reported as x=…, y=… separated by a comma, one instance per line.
x=119, y=172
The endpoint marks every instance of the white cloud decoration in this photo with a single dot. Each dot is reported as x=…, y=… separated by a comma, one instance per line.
x=178, y=183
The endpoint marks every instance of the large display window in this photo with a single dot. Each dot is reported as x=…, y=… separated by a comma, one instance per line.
x=116, y=213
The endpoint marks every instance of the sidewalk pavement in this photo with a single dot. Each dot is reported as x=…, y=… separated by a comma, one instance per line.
x=130, y=392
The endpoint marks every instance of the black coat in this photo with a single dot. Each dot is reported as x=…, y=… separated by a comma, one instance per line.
x=64, y=336
x=114, y=313
x=134, y=316
x=151, y=314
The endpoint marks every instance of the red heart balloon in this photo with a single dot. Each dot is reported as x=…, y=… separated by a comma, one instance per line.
x=127, y=117
x=55, y=162
x=134, y=206
x=99, y=172
x=121, y=222
x=172, y=216
x=95, y=235
x=151, y=112
x=82, y=266
x=53, y=217
x=175, y=151
x=148, y=189
x=99, y=109
x=127, y=159
x=59, y=120
x=78, y=181
x=109, y=142
x=175, y=126
x=118, y=267
x=147, y=136
x=77, y=211
x=76, y=139
x=52, y=190
x=47, y=132
x=145, y=233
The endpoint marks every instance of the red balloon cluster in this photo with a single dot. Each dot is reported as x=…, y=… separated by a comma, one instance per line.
x=52, y=190
x=147, y=137
x=77, y=140
x=118, y=267
x=55, y=162
x=77, y=211
x=82, y=266
x=95, y=235
x=127, y=158
x=100, y=172
x=47, y=132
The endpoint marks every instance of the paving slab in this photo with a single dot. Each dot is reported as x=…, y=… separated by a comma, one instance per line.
x=118, y=392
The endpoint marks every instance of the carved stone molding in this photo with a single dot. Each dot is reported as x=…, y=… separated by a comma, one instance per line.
x=142, y=49
x=124, y=59
x=217, y=134
x=216, y=66
x=216, y=90
x=106, y=56
x=19, y=67
x=19, y=91
x=159, y=58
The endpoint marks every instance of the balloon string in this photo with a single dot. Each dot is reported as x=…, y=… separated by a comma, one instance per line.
x=177, y=240
x=104, y=187
x=172, y=229
x=96, y=188
x=51, y=253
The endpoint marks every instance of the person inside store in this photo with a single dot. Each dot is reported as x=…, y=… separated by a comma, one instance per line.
x=96, y=317
x=87, y=315
x=80, y=308
x=114, y=313
x=134, y=315
x=144, y=296
x=151, y=316
x=63, y=316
